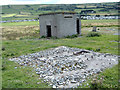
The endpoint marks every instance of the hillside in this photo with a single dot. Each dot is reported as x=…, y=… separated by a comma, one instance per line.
x=16, y=12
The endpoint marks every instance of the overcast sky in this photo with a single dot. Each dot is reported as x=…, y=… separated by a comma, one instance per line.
x=17, y=2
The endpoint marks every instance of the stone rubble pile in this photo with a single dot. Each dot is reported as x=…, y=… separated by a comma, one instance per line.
x=65, y=67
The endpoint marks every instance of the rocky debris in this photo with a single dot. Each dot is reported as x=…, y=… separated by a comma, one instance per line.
x=80, y=52
x=65, y=67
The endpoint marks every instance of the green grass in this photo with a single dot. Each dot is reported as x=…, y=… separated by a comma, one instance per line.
x=22, y=47
x=87, y=23
x=8, y=15
x=17, y=18
x=100, y=23
x=21, y=23
x=106, y=79
x=21, y=77
x=17, y=78
x=21, y=15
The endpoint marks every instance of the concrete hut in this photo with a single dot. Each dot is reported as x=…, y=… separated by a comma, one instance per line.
x=59, y=24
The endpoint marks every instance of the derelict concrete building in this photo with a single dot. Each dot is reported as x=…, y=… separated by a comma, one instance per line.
x=59, y=24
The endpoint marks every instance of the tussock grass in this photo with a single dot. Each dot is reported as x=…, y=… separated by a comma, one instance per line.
x=15, y=33
x=93, y=34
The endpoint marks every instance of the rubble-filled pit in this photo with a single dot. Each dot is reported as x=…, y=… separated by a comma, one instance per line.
x=65, y=67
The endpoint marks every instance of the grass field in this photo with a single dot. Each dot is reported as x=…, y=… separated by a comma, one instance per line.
x=87, y=23
x=8, y=15
x=107, y=79
x=25, y=39
x=99, y=23
x=27, y=23
x=16, y=31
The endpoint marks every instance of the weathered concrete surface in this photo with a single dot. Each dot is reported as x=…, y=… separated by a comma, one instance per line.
x=65, y=67
x=60, y=25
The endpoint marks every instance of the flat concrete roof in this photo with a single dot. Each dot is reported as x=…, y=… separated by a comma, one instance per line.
x=53, y=13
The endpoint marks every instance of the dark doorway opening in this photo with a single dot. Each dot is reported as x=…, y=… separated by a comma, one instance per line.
x=49, y=31
x=78, y=31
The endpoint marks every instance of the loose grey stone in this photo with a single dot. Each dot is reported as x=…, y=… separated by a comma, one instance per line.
x=66, y=67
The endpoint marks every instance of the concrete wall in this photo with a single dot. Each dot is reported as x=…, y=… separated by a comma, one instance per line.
x=66, y=26
x=60, y=26
x=46, y=20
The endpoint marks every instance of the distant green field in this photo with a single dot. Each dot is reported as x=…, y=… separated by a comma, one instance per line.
x=84, y=23
x=32, y=11
x=100, y=23
x=21, y=23
x=8, y=15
